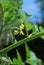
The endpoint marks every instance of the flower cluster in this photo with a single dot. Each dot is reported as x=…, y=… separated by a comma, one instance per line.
x=20, y=31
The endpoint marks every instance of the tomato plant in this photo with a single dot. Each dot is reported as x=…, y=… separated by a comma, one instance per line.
x=13, y=22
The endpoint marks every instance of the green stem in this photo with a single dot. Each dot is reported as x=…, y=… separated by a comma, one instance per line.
x=29, y=38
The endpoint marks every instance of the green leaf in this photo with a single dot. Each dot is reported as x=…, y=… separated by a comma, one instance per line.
x=5, y=60
x=16, y=62
x=33, y=56
x=41, y=29
x=30, y=62
x=27, y=51
x=27, y=14
x=33, y=60
x=27, y=25
x=35, y=28
x=18, y=56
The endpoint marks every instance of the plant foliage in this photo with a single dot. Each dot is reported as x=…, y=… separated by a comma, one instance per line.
x=13, y=20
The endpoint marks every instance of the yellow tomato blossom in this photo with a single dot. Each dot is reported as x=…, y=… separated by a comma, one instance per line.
x=21, y=27
x=20, y=30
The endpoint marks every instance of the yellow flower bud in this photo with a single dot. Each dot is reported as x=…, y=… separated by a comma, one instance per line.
x=16, y=32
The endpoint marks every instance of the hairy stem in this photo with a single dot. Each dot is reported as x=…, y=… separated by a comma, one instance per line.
x=29, y=38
